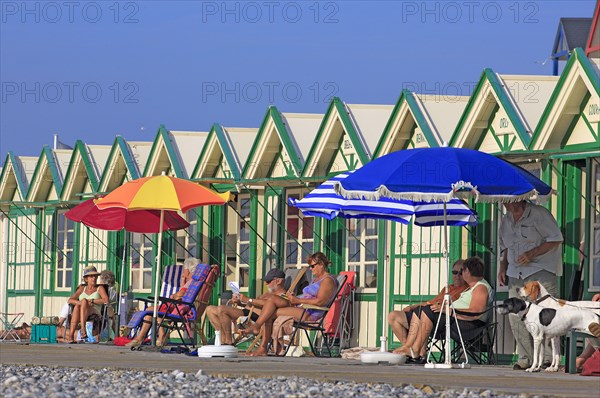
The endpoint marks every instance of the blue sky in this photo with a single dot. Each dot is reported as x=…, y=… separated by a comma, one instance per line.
x=90, y=70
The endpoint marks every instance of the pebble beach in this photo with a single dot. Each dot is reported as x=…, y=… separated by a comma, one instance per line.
x=21, y=381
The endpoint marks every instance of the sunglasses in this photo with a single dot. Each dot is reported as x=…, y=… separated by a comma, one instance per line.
x=313, y=265
x=456, y=272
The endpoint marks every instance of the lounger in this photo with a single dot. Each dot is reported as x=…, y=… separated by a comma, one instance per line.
x=180, y=315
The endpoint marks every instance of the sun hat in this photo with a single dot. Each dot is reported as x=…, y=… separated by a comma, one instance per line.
x=90, y=270
x=274, y=273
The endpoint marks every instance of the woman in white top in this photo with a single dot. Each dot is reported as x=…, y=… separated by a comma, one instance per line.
x=474, y=300
x=87, y=300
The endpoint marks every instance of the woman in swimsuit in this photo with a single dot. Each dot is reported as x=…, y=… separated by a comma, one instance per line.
x=87, y=300
x=319, y=293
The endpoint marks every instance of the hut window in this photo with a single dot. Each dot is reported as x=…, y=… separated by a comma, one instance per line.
x=65, y=234
x=299, y=234
x=361, y=251
x=142, y=259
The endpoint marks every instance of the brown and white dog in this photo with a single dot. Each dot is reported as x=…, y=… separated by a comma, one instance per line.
x=536, y=292
x=548, y=323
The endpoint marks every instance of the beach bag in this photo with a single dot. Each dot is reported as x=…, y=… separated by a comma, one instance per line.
x=591, y=367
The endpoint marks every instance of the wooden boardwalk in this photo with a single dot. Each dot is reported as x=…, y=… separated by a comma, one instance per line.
x=495, y=378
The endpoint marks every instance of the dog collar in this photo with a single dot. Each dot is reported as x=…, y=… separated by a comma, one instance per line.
x=542, y=299
x=526, y=311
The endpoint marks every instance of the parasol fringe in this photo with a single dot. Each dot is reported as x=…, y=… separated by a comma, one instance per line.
x=384, y=192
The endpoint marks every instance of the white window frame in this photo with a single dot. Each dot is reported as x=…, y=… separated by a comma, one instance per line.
x=242, y=264
x=63, y=280
x=356, y=230
x=188, y=238
x=305, y=246
x=144, y=252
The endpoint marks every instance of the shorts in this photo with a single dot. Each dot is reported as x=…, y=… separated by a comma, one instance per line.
x=254, y=316
x=415, y=311
x=465, y=326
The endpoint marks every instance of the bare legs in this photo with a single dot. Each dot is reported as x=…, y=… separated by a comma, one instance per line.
x=417, y=337
x=146, y=325
x=399, y=324
x=221, y=318
x=268, y=312
x=81, y=311
x=294, y=312
x=407, y=334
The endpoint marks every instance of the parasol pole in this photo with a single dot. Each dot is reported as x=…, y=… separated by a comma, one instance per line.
x=448, y=360
x=156, y=278
x=122, y=273
x=445, y=304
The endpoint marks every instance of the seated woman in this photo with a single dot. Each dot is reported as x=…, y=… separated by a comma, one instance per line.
x=405, y=324
x=87, y=300
x=186, y=280
x=474, y=299
x=319, y=293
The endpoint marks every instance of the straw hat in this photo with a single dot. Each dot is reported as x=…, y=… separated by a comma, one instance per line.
x=90, y=270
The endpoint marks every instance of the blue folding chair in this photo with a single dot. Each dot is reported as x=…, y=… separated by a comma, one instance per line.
x=177, y=315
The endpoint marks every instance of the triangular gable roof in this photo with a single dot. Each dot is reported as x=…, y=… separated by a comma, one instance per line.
x=15, y=176
x=579, y=79
x=570, y=34
x=187, y=146
x=48, y=174
x=412, y=121
x=592, y=49
x=125, y=159
x=224, y=154
x=163, y=156
x=84, y=170
x=494, y=118
x=337, y=136
x=273, y=145
x=369, y=122
x=303, y=128
x=217, y=161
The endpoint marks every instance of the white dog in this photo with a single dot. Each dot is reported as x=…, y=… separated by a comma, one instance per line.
x=537, y=293
x=548, y=323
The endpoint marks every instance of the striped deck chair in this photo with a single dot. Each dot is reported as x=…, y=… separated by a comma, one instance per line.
x=171, y=283
x=180, y=315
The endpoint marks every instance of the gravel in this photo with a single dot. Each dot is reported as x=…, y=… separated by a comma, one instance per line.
x=40, y=381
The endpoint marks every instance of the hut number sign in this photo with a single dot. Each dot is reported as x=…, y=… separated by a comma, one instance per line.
x=593, y=113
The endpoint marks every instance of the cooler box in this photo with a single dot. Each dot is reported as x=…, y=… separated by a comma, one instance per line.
x=43, y=334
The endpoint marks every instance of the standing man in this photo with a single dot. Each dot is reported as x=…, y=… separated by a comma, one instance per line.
x=530, y=247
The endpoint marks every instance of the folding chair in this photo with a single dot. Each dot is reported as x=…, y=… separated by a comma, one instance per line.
x=171, y=283
x=179, y=315
x=9, y=322
x=316, y=326
x=479, y=342
x=338, y=322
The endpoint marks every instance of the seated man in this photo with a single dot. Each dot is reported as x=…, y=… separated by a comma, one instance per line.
x=405, y=323
x=221, y=317
x=474, y=300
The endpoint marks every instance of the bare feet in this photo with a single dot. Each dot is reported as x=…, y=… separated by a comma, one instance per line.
x=259, y=352
x=402, y=350
x=250, y=330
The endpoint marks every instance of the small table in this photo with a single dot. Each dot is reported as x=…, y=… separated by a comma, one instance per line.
x=10, y=322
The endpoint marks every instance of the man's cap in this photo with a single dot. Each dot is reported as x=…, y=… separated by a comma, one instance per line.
x=273, y=274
